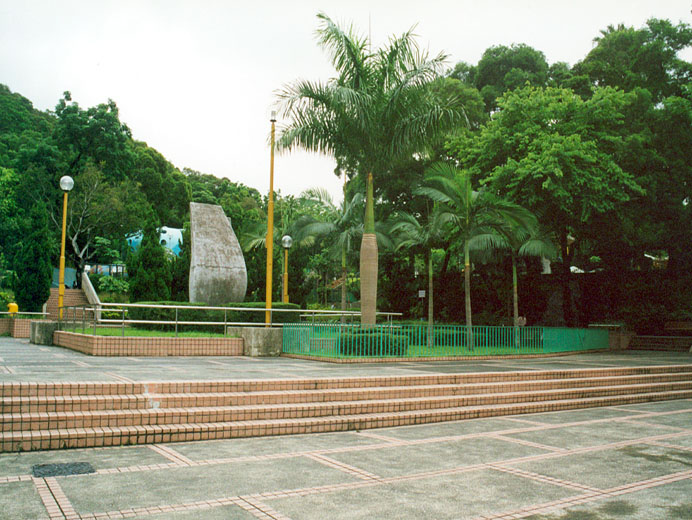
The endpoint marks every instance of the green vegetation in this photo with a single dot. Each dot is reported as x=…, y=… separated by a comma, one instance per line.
x=445, y=167
x=141, y=333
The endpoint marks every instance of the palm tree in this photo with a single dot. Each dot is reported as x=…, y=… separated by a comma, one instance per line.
x=340, y=222
x=378, y=108
x=471, y=213
x=410, y=233
x=520, y=239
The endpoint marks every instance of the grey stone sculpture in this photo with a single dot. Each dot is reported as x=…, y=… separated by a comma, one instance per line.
x=217, y=266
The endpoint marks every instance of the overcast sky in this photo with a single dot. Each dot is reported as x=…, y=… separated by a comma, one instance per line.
x=197, y=79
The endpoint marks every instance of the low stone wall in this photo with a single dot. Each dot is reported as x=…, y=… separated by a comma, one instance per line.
x=16, y=327
x=155, y=347
x=259, y=341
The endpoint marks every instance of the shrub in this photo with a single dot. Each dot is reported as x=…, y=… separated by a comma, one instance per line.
x=368, y=343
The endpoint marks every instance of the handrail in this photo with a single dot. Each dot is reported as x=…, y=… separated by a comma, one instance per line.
x=122, y=308
x=26, y=313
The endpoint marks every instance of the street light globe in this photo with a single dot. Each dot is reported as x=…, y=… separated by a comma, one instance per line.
x=66, y=183
x=286, y=242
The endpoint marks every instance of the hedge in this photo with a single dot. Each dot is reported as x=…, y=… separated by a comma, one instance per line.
x=363, y=343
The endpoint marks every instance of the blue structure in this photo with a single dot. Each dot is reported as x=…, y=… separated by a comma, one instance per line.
x=170, y=238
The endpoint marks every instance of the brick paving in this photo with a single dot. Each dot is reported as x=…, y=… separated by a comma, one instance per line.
x=488, y=468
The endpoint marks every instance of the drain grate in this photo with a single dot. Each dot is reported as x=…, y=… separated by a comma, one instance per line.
x=60, y=470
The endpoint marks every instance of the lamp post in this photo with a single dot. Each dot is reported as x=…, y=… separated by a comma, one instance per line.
x=286, y=243
x=66, y=184
x=270, y=227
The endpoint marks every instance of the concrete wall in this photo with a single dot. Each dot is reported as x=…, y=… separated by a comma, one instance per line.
x=259, y=341
x=217, y=267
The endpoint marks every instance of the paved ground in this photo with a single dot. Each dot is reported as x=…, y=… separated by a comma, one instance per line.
x=22, y=361
x=621, y=462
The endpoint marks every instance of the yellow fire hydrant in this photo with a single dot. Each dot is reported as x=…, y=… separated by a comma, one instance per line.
x=12, y=308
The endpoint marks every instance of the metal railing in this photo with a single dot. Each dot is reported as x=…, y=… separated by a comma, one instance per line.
x=81, y=317
x=19, y=314
x=416, y=341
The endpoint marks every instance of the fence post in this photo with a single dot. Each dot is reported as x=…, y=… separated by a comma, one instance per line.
x=176, y=322
x=122, y=323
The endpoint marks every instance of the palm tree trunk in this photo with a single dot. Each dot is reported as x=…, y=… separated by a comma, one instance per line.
x=431, y=333
x=368, y=261
x=467, y=297
x=515, y=301
x=343, y=284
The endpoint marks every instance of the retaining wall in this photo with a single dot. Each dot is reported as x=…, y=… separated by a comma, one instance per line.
x=156, y=347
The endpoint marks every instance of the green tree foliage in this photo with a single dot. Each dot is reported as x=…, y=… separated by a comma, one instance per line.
x=557, y=154
x=34, y=271
x=163, y=185
x=94, y=134
x=149, y=268
x=180, y=270
x=378, y=109
x=647, y=58
x=503, y=68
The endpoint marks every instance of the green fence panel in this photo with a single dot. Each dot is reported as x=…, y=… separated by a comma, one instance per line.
x=336, y=340
x=563, y=339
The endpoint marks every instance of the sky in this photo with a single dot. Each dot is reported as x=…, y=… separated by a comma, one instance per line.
x=197, y=80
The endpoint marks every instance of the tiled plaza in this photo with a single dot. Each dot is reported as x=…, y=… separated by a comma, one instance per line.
x=632, y=461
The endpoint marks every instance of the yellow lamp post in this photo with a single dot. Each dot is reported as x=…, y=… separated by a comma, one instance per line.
x=66, y=184
x=270, y=227
x=286, y=243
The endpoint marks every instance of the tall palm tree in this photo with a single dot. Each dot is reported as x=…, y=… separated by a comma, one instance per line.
x=471, y=213
x=378, y=108
x=410, y=233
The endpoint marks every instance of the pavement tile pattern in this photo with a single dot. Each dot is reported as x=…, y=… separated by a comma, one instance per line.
x=632, y=461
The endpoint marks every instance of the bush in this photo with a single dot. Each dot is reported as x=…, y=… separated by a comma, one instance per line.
x=5, y=298
x=201, y=315
x=111, y=284
x=367, y=343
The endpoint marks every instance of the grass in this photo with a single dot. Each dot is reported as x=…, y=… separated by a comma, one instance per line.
x=132, y=332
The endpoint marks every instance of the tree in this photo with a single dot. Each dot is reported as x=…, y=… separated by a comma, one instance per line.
x=149, y=268
x=519, y=238
x=558, y=155
x=470, y=214
x=180, y=269
x=410, y=233
x=503, y=68
x=628, y=58
x=378, y=108
x=32, y=264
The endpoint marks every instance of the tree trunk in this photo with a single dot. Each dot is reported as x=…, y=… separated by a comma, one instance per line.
x=565, y=277
x=368, y=262
x=515, y=301
x=343, y=284
x=467, y=297
x=431, y=331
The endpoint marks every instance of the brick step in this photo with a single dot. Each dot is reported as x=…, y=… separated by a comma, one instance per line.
x=77, y=403
x=115, y=436
x=160, y=416
x=283, y=385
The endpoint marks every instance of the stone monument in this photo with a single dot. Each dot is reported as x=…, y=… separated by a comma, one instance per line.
x=217, y=266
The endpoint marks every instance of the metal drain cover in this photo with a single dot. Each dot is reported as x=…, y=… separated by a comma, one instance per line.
x=59, y=470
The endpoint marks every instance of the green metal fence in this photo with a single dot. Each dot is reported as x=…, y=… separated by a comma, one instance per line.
x=346, y=341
